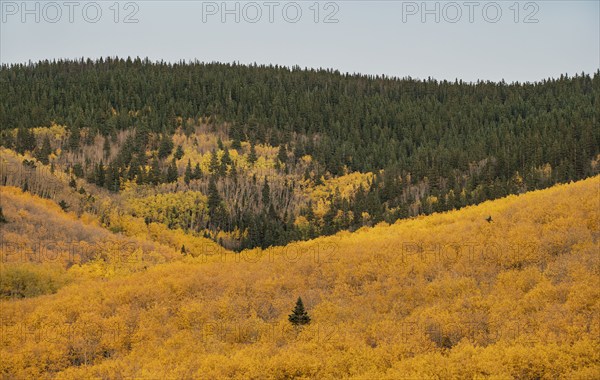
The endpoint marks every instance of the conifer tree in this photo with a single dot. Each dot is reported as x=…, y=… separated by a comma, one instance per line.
x=213, y=166
x=233, y=172
x=63, y=205
x=266, y=193
x=197, y=172
x=25, y=140
x=252, y=156
x=178, y=152
x=78, y=170
x=99, y=177
x=216, y=210
x=74, y=137
x=2, y=218
x=282, y=154
x=45, y=151
x=225, y=161
x=154, y=173
x=113, y=178
x=172, y=172
x=236, y=144
x=299, y=315
x=106, y=148
x=188, y=173
x=165, y=147
x=214, y=199
x=140, y=178
x=7, y=140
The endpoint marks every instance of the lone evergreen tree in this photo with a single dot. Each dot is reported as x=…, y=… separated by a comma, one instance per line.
x=299, y=316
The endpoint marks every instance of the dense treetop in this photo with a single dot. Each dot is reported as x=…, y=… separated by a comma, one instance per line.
x=362, y=122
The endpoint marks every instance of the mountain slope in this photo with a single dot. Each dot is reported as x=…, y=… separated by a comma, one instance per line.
x=44, y=247
x=258, y=140
x=448, y=295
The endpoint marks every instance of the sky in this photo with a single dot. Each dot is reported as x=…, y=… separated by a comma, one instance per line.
x=465, y=40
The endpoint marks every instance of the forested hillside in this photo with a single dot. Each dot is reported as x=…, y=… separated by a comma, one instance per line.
x=44, y=248
x=505, y=289
x=270, y=155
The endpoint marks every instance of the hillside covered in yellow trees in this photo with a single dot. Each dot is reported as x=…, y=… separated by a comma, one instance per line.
x=508, y=288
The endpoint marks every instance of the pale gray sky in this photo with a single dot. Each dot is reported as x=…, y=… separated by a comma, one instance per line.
x=469, y=40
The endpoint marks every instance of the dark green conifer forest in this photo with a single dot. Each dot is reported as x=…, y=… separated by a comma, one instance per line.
x=431, y=145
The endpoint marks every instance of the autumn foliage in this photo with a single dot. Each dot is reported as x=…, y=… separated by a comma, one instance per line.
x=448, y=295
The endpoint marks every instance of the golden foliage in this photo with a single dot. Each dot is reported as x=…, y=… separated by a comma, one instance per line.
x=445, y=296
